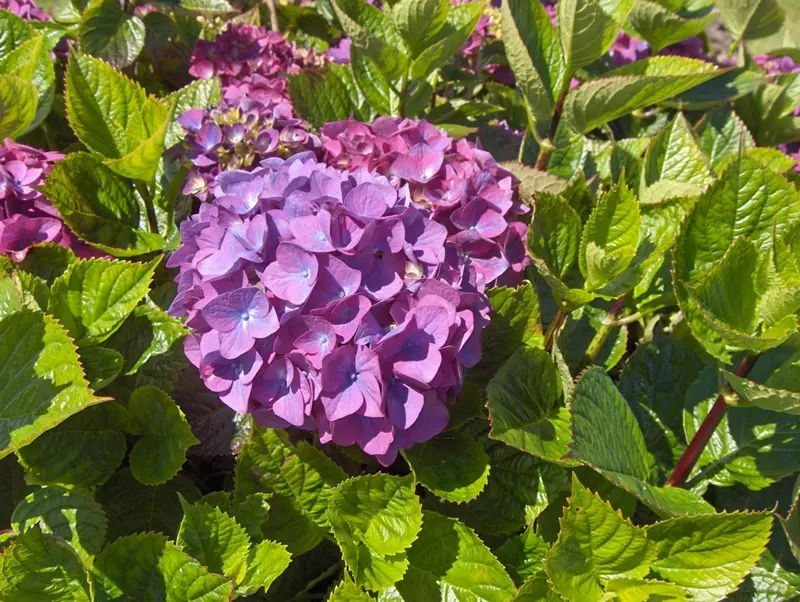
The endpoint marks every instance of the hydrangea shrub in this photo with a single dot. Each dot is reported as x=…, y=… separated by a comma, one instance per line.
x=343, y=301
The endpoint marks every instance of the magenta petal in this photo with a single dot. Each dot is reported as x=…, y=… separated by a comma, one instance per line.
x=420, y=164
x=293, y=276
x=235, y=343
x=478, y=216
x=370, y=200
x=403, y=404
x=377, y=436
x=342, y=404
x=312, y=232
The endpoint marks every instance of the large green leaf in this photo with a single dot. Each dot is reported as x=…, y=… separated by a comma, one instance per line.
x=447, y=560
x=514, y=324
x=747, y=200
x=519, y=489
x=215, y=539
x=555, y=234
x=41, y=379
x=149, y=567
x=320, y=97
x=751, y=445
x=766, y=396
x=100, y=206
x=114, y=117
x=524, y=405
x=95, y=296
x=632, y=87
x=42, y=567
x=102, y=366
x=460, y=23
x=720, y=134
x=71, y=515
x=160, y=453
x=270, y=463
x=18, y=102
x=654, y=382
x=534, y=54
x=660, y=27
x=522, y=555
x=109, y=33
x=373, y=84
x=83, y=451
x=132, y=507
x=607, y=437
x=375, y=519
x=347, y=591
x=596, y=545
x=265, y=563
x=588, y=28
x=31, y=62
x=709, y=555
x=610, y=237
x=418, y=21
x=674, y=160
x=13, y=32
x=451, y=465
x=750, y=18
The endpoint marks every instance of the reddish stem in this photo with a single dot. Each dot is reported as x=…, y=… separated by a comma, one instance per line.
x=544, y=155
x=703, y=434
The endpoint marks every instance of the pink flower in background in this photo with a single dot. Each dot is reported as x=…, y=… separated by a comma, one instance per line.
x=25, y=9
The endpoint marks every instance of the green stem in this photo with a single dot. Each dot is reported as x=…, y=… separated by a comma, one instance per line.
x=544, y=153
x=404, y=92
x=148, y=203
x=552, y=330
x=329, y=572
x=601, y=336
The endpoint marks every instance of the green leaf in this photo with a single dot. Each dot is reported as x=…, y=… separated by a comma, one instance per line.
x=674, y=155
x=596, y=545
x=791, y=526
x=18, y=102
x=373, y=84
x=113, y=116
x=199, y=94
x=768, y=398
x=534, y=180
x=95, y=296
x=41, y=567
x=588, y=28
x=375, y=519
x=83, y=451
x=654, y=382
x=537, y=589
x=132, y=507
x=13, y=32
x=418, y=21
x=534, y=54
x=102, y=365
x=747, y=201
x=555, y=235
x=160, y=453
x=320, y=97
x=579, y=332
x=451, y=465
x=610, y=237
x=47, y=261
x=270, y=463
x=62, y=11
x=109, y=33
x=514, y=324
x=632, y=87
x=524, y=406
x=661, y=27
x=520, y=487
x=461, y=22
x=71, y=515
x=522, y=555
x=209, y=7
x=289, y=526
x=720, y=134
x=348, y=592
x=751, y=445
x=215, y=539
x=447, y=558
x=730, y=85
x=31, y=62
x=709, y=555
x=149, y=567
x=641, y=590
x=607, y=437
x=42, y=379
x=374, y=33
x=265, y=563
x=99, y=206
x=749, y=18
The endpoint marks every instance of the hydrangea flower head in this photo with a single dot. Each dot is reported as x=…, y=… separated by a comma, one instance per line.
x=27, y=217
x=343, y=301
x=25, y=9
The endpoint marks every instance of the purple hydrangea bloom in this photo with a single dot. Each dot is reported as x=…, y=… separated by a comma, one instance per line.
x=27, y=217
x=25, y=9
x=776, y=65
x=343, y=301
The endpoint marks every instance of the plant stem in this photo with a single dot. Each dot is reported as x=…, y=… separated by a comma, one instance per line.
x=148, y=202
x=329, y=572
x=550, y=335
x=703, y=434
x=404, y=92
x=544, y=152
x=273, y=15
x=601, y=336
